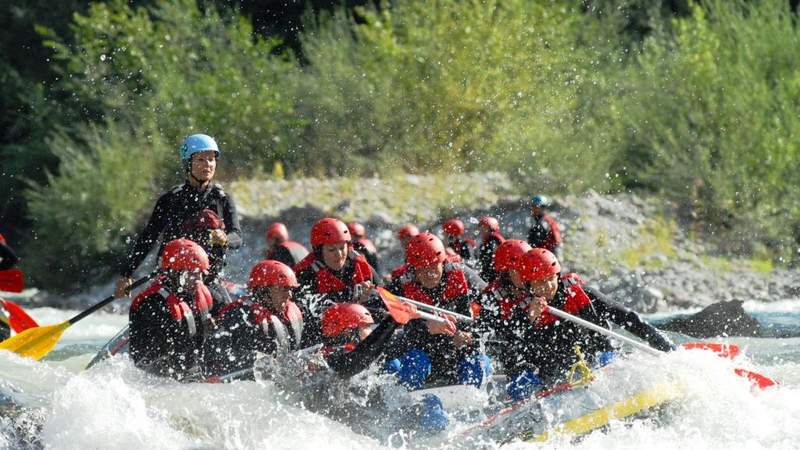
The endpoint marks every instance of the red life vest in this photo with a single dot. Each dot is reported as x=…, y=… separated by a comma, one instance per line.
x=577, y=299
x=456, y=285
x=178, y=308
x=326, y=280
x=504, y=300
x=368, y=245
x=263, y=317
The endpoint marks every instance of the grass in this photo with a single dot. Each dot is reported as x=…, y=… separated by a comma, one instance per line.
x=655, y=237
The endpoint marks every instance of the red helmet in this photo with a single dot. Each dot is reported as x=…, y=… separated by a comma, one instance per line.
x=453, y=227
x=425, y=249
x=408, y=231
x=342, y=317
x=509, y=255
x=356, y=230
x=183, y=254
x=202, y=221
x=490, y=222
x=329, y=231
x=277, y=231
x=539, y=264
x=271, y=273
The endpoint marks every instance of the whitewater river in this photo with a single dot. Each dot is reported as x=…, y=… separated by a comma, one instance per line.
x=115, y=406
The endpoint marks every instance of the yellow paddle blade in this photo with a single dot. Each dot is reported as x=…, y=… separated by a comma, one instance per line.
x=35, y=342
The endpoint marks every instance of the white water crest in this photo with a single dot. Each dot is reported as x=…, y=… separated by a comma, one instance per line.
x=56, y=404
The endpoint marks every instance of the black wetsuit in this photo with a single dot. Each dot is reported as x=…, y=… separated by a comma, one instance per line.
x=168, y=328
x=244, y=328
x=548, y=346
x=486, y=256
x=171, y=211
x=289, y=253
x=459, y=287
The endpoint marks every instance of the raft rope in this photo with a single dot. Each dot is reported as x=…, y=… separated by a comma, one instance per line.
x=579, y=372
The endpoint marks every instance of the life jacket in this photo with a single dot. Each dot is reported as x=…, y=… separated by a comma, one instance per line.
x=296, y=249
x=399, y=271
x=452, y=255
x=179, y=309
x=503, y=299
x=326, y=281
x=456, y=285
x=264, y=318
x=577, y=299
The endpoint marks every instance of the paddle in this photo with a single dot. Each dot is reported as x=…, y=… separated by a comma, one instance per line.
x=18, y=319
x=757, y=379
x=396, y=298
x=729, y=351
x=402, y=312
x=37, y=342
x=12, y=280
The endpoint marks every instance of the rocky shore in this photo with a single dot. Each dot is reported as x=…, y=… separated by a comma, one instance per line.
x=636, y=249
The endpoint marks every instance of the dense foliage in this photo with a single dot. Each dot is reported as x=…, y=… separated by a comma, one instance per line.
x=695, y=101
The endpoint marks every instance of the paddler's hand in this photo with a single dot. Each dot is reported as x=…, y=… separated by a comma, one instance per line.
x=219, y=237
x=448, y=327
x=535, y=308
x=363, y=291
x=123, y=288
x=462, y=339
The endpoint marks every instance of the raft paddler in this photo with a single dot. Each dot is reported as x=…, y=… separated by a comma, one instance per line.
x=265, y=321
x=546, y=344
x=491, y=238
x=170, y=320
x=199, y=154
x=352, y=343
x=281, y=248
x=332, y=273
x=441, y=352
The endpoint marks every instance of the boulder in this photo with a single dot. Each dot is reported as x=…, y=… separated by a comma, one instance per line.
x=718, y=319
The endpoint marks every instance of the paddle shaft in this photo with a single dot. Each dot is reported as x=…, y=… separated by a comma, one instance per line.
x=604, y=331
x=108, y=300
x=421, y=305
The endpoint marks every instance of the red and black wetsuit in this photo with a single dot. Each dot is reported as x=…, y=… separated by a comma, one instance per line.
x=462, y=248
x=548, y=345
x=486, y=255
x=245, y=327
x=496, y=318
x=320, y=286
x=288, y=252
x=545, y=234
x=168, y=328
x=348, y=359
x=459, y=287
x=172, y=210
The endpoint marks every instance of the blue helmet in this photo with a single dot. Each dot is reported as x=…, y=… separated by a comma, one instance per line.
x=540, y=201
x=197, y=143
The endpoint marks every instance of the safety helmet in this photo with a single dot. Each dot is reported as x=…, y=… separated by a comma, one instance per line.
x=271, y=273
x=197, y=143
x=343, y=317
x=540, y=201
x=277, y=231
x=356, y=230
x=329, y=231
x=407, y=231
x=509, y=255
x=453, y=227
x=490, y=222
x=539, y=264
x=184, y=255
x=425, y=249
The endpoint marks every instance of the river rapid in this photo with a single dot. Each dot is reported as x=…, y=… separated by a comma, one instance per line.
x=57, y=404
